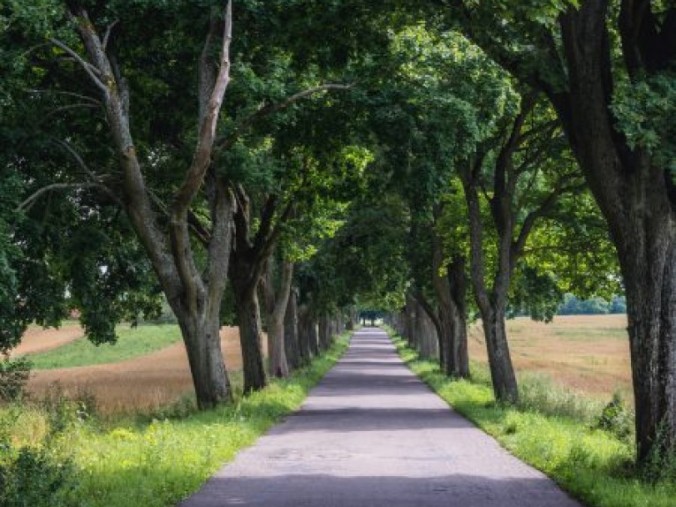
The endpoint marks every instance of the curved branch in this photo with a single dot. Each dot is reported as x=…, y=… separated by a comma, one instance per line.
x=91, y=70
x=207, y=131
x=30, y=200
x=269, y=109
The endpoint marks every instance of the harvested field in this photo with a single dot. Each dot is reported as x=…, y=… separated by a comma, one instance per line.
x=37, y=339
x=588, y=353
x=140, y=384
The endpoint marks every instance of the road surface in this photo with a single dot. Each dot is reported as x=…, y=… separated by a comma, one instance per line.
x=372, y=434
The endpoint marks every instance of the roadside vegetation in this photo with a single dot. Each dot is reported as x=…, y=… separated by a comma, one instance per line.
x=131, y=342
x=584, y=445
x=58, y=452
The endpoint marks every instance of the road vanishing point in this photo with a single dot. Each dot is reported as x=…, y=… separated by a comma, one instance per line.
x=372, y=434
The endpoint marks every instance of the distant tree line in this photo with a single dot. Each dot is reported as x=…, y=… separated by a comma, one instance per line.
x=573, y=305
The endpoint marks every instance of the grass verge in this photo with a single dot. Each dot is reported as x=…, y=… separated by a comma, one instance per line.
x=131, y=343
x=593, y=465
x=151, y=461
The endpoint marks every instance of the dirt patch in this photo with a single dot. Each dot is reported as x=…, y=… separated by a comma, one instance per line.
x=589, y=353
x=37, y=339
x=139, y=384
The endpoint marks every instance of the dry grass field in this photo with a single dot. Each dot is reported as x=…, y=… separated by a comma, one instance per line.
x=585, y=353
x=588, y=353
x=37, y=339
x=140, y=384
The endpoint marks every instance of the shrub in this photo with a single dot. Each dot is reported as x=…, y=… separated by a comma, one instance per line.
x=615, y=418
x=64, y=411
x=33, y=477
x=14, y=374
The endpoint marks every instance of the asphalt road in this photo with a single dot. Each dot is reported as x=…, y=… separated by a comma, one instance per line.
x=372, y=434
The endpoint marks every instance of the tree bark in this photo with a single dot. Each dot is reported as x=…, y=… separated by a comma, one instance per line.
x=291, y=332
x=638, y=200
x=304, y=334
x=250, y=334
x=426, y=335
x=450, y=291
x=324, y=337
x=411, y=316
x=203, y=345
x=458, y=287
x=312, y=335
x=193, y=295
x=492, y=307
x=277, y=360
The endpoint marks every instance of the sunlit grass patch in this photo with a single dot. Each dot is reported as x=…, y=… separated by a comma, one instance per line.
x=159, y=458
x=132, y=342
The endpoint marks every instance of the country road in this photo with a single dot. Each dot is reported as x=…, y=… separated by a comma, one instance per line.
x=372, y=434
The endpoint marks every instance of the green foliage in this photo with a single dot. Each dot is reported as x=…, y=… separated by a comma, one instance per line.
x=34, y=477
x=159, y=460
x=593, y=306
x=14, y=374
x=36, y=465
x=132, y=342
x=615, y=418
x=534, y=294
x=645, y=112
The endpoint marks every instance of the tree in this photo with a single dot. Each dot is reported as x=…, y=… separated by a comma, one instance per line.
x=526, y=175
x=600, y=70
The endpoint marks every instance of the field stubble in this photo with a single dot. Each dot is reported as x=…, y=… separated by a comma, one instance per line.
x=142, y=384
x=586, y=353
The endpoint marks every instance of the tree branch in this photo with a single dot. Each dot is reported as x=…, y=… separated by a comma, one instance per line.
x=30, y=200
x=269, y=109
x=83, y=165
x=109, y=30
x=208, y=122
x=91, y=70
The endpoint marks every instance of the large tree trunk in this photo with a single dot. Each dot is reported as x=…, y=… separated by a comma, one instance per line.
x=426, y=333
x=458, y=310
x=499, y=360
x=250, y=334
x=305, y=324
x=411, y=316
x=450, y=292
x=313, y=338
x=492, y=306
x=278, y=365
x=291, y=332
x=203, y=345
x=637, y=198
x=193, y=294
x=324, y=338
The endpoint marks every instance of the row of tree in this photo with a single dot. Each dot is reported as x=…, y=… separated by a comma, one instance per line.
x=445, y=158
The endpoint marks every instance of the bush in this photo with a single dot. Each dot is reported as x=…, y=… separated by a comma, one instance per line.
x=538, y=393
x=63, y=411
x=615, y=418
x=14, y=374
x=33, y=477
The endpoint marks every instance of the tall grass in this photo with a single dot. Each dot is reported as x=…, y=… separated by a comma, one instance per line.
x=554, y=430
x=160, y=458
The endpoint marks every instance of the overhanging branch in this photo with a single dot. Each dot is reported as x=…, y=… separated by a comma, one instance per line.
x=269, y=109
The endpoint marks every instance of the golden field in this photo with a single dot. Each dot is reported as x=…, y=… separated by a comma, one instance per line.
x=588, y=353
x=585, y=353
x=140, y=384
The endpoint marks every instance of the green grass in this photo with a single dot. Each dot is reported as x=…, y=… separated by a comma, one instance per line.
x=132, y=342
x=552, y=433
x=157, y=461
